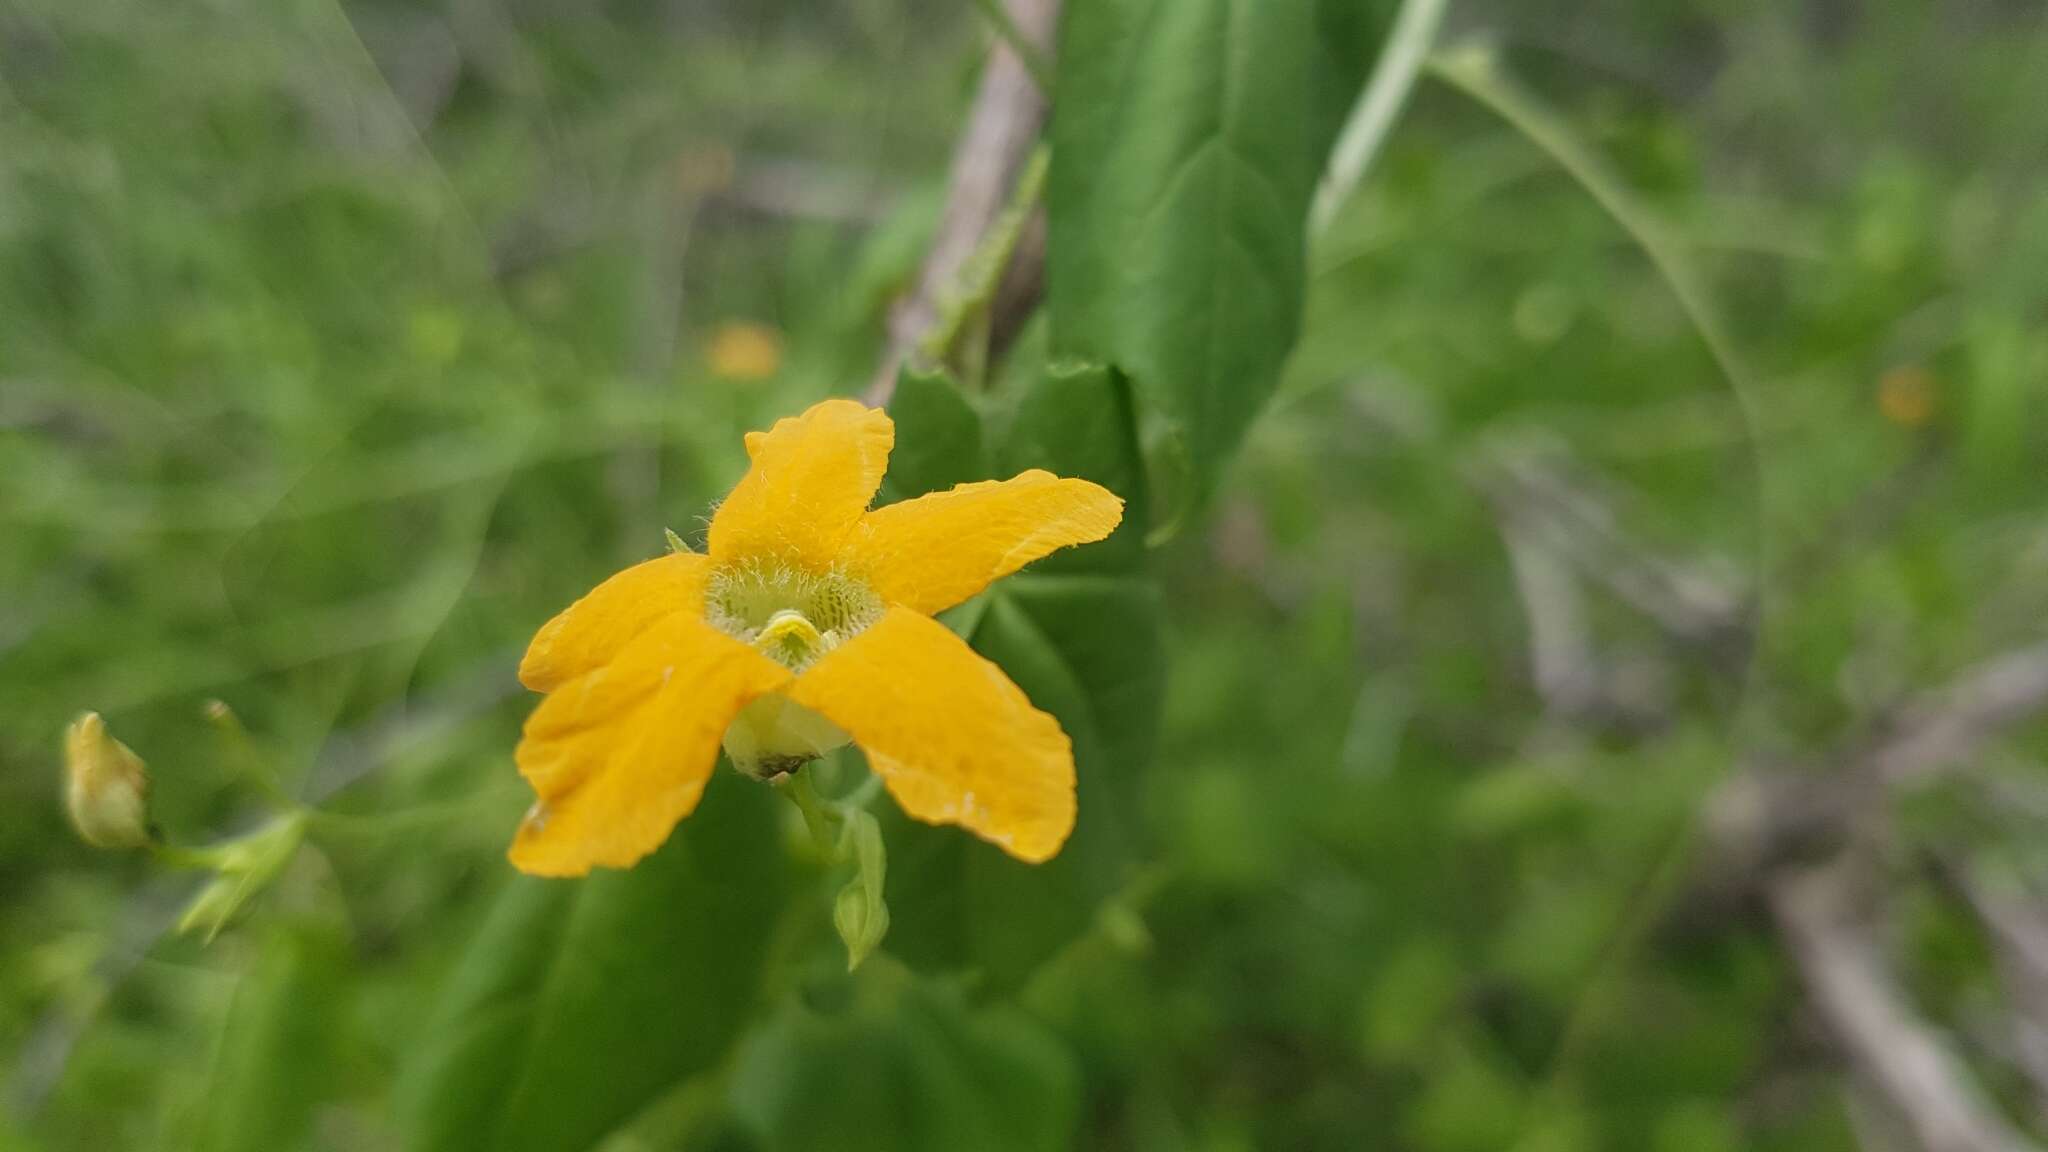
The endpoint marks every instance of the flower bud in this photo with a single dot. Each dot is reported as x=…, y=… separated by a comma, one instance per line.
x=106, y=789
x=859, y=912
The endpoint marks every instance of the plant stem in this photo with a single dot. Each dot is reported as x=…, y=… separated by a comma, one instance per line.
x=983, y=272
x=797, y=786
x=1473, y=72
x=405, y=819
x=1013, y=38
x=1378, y=106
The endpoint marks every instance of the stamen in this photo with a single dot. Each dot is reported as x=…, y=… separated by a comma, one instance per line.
x=791, y=615
x=790, y=624
x=791, y=639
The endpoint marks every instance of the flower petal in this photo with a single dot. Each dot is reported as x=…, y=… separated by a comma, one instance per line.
x=951, y=737
x=811, y=478
x=931, y=553
x=593, y=631
x=621, y=753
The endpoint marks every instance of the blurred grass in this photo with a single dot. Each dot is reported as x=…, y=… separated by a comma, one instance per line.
x=341, y=346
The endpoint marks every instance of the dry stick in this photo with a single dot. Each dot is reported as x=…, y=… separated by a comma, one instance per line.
x=2016, y=926
x=1763, y=817
x=1002, y=129
x=1898, y=1054
x=1952, y=724
x=1556, y=524
x=1903, y=1058
x=1561, y=657
x=1534, y=489
x=2018, y=934
x=1682, y=600
x=1928, y=1087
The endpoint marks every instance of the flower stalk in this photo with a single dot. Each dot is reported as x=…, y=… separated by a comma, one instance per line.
x=845, y=831
x=106, y=797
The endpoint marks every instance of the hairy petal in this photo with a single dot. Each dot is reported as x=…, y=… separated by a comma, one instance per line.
x=592, y=632
x=811, y=478
x=621, y=753
x=951, y=737
x=931, y=553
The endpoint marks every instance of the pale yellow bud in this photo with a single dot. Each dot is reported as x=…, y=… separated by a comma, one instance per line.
x=106, y=789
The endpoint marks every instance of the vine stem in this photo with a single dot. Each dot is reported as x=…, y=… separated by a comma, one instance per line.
x=797, y=786
x=983, y=272
x=1378, y=107
x=1475, y=72
x=827, y=820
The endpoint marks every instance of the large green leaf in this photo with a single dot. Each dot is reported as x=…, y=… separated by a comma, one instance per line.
x=582, y=1000
x=1080, y=633
x=906, y=1067
x=1187, y=142
x=938, y=437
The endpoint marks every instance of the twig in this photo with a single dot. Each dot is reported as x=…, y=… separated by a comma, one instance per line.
x=1944, y=727
x=1560, y=650
x=2017, y=931
x=1855, y=994
x=1765, y=815
x=2016, y=926
x=1685, y=602
x=1002, y=130
x=1777, y=817
x=1535, y=491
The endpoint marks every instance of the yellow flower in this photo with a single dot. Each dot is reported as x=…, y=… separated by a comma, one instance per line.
x=808, y=622
x=1906, y=396
x=745, y=352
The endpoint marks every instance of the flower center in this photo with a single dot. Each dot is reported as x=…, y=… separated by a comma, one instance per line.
x=792, y=616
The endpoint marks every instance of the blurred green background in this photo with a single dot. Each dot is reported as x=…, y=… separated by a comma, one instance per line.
x=342, y=343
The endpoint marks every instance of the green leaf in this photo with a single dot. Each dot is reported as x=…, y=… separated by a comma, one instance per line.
x=1081, y=420
x=906, y=1068
x=1109, y=634
x=1187, y=142
x=582, y=1000
x=1089, y=650
x=279, y=1055
x=938, y=437
x=1081, y=634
